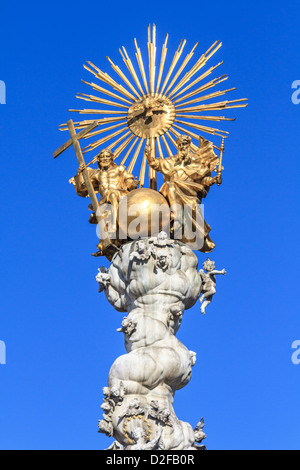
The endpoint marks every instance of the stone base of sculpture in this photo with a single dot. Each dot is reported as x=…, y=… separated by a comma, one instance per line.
x=154, y=280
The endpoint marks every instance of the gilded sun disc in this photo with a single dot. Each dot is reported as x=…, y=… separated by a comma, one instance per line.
x=151, y=116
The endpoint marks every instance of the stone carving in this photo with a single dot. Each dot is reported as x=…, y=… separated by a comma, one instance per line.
x=209, y=283
x=141, y=443
x=134, y=409
x=200, y=435
x=162, y=261
x=103, y=278
x=112, y=397
x=128, y=326
x=154, y=281
x=193, y=356
x=142, y=253
x=158, y=413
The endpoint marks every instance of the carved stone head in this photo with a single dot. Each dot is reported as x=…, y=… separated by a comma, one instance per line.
x=209, y=265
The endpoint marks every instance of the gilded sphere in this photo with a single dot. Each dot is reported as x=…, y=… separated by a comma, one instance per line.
x=143, y=213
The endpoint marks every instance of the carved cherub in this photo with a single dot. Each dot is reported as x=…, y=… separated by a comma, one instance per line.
x=112, y=397
x=103, y=278
x=209, y=283
x=105, y=427
x=134, y=409
x=139, y=436
x=161, y=414
x=128, y=327
x=142, y=253
x=175, y=317
x=118, y=394
x=162, y=261
x=161, y=240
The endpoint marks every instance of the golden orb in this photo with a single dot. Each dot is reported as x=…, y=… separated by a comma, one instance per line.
x=143, y=213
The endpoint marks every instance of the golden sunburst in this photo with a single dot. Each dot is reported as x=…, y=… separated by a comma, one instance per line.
x=153, y=107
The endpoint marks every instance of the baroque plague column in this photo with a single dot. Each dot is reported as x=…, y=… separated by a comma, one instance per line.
x=153, y=277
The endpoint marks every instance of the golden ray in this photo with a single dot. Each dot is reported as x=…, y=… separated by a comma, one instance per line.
x=161, y=155
x=123, y=146
x=199, y=64
x=96, y=99
x=182, y=67
x=206, y=86
x=143, y=168
x=162, y=62
x=216, y=106
x=199, y=79
x=124, y=78
x=113, y=144
x=115, y=153
x=195, y=136
x=206, y=118
x=209, y=130
x=169, y=152
x=104, y=77
x=152, y=172
x=86, y=123
x=171, y=138
x=173, y=64
x=193, y=146
x=103, y=140
x=141, y=66
x=131, y=69
x=129, y=151
x=178, y=84
x=96, y=111
x=101, y=131
x=134, y=158
x=106, y=92
x=204, y=98
x=152, y=56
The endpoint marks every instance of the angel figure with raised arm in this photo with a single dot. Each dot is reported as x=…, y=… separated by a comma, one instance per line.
x=187, y=181
x=209, y=283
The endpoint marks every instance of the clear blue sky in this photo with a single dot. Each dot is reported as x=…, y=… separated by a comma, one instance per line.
x=59, y=332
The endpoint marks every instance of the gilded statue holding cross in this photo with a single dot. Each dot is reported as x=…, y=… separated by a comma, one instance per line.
x=110, y=180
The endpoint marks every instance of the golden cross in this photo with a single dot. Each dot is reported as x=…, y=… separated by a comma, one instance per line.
x=74, y=140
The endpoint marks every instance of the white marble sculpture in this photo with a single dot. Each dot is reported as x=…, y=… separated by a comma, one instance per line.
x=154, y=281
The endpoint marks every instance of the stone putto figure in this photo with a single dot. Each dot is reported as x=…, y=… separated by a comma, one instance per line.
x=209, y=283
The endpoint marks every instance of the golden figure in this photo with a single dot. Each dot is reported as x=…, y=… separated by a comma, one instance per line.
x=151, y=110
x=110, y=180
x=187, y=181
